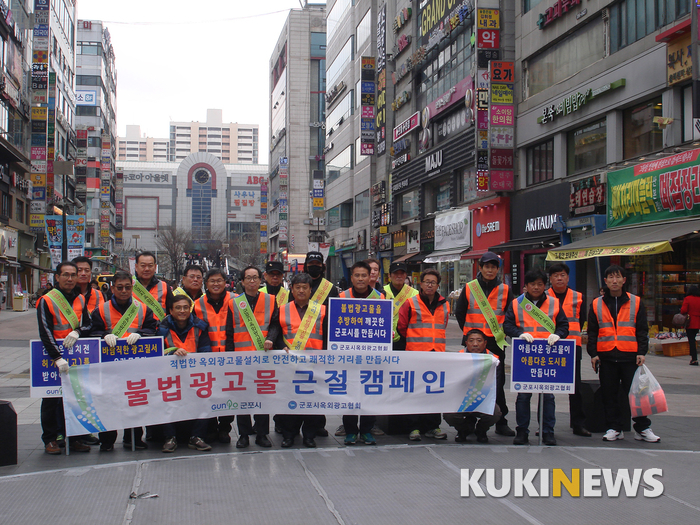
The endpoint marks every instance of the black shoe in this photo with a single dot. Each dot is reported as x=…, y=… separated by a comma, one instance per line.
x=503, y=429
x=548, y=439
x=693, y=362
x=90, y=440
x=243, y=442
x=224, y=437
x=481, y=437
x=287, y=442
x=461, y=437
x=521, y=438
x=580, y=431
x=106, y=448
x=79, y=446
x=322, y=432
x=263, y=441
x=309, y=443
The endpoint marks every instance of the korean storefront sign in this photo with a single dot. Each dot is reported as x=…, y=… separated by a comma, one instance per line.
x=587, y=195
x=122, y=394
x=453, y=230
x=556, y=11
x=407, y=126
x=663, y=189
x=575, y=101
x=413, y=236
x=679, y=64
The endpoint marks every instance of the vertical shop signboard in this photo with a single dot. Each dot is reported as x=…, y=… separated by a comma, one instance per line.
x=39, y=113
x=380, y=119
x=367, y=106
x=263, y=216
x=501, y=125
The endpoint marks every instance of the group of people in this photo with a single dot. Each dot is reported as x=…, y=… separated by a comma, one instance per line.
x=202, y=316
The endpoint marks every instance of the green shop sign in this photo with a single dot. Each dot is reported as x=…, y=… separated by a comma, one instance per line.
x=663, y=189
x=575, y=101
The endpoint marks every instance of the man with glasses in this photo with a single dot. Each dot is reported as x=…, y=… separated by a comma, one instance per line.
x=122, y=317
x=252, y=324
x=423, y=322
x=192, y=282
x=146, y=284
x=62, y=314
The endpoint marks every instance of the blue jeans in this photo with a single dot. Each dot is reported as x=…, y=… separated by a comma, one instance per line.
x=522, y=413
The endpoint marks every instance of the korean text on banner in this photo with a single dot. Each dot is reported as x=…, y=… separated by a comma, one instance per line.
x=539, y=367
x=124, y=394
x=360, y=324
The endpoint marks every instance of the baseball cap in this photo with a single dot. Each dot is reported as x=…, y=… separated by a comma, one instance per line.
x=490, y=257
x=398, y=267
x=274, y=266
x=314, y=256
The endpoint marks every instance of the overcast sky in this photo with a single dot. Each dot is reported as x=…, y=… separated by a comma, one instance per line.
x=175, y=59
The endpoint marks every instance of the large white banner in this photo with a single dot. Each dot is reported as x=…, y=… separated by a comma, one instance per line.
x=453, y=230
x=124, y=394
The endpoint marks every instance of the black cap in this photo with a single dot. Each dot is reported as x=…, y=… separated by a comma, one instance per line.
x=490, y=257
x=314, y=256
x=398, y=267
x=274, y=266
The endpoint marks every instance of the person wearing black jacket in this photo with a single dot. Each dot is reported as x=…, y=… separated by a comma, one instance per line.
x=489, y=282
x=53, y=326
x=617, y=347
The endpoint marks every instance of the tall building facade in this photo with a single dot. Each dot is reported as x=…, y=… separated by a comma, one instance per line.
x=295, y=217
x=231, y=142
x=96, y=185
x=135, y=147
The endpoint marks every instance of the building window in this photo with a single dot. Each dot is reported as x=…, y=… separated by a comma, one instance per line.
x=364, y=30
x=530, y=4
x=632, y=20
x=587, y=147
x=362, y=205
x=340, y=63
x=409, y=205
x=566, y=58
x=339, y=165
x=540, y=162
x=339, y=114
x=6, y=205
x=335, y=16
x=19, y=211
x=450, y=65
x=641, y=134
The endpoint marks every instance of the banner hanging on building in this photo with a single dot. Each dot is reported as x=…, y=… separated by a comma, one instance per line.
x=124, y=394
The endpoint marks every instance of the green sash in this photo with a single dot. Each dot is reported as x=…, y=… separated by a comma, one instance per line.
x=374, y=294
x=306, y=326
x=122, y=326
x=405, y=293
x=65, y=308
x=251, y=323
x=538, y=315
x=488, y=313
x=146, y=298
x=322, y=291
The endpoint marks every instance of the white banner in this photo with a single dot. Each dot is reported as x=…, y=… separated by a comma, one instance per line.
x=125, y=394
x=453, y=230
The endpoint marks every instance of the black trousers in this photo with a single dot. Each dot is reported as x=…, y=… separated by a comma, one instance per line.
x=262, y=425
x=692, y=334
x=616, y=375
x=423, y=422
x=108, y=438
x=291, y=424
x=52, y=419
x=577, y=418
x=366, y=424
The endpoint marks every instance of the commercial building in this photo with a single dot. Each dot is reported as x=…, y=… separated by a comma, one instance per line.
x=96, y=128
x=232, y=142
x=200, y=197
x=135, y=147
x=293, y=219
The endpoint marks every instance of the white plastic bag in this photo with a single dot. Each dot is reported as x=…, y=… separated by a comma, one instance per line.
x=646, y=395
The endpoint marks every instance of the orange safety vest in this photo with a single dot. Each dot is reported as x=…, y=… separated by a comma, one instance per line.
x=290, y=322
x=572, y=310
x=264, y=307
x=347, y=294
x=96, y=300
x=61, y=326
x=216, y=321
x=160, y=293
x=190, y=343
x=475, y=318
x=111, y=316
x=426, y=331
x=527, y=324
x=621, y=335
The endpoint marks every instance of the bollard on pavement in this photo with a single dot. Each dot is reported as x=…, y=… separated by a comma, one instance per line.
x=8, y=434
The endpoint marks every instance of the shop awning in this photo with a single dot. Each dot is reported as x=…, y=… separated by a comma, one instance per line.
x=526, y=243
x=444, y=256
x=474, y=254
x=405, y=258
x=345, y=248
x=648, y=239
x=35, y=266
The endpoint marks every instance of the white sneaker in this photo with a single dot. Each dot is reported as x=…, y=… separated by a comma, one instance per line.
x=414, y=435
x=647, y=435
x=436, y=434
x=340, y=431
x=612, y=435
